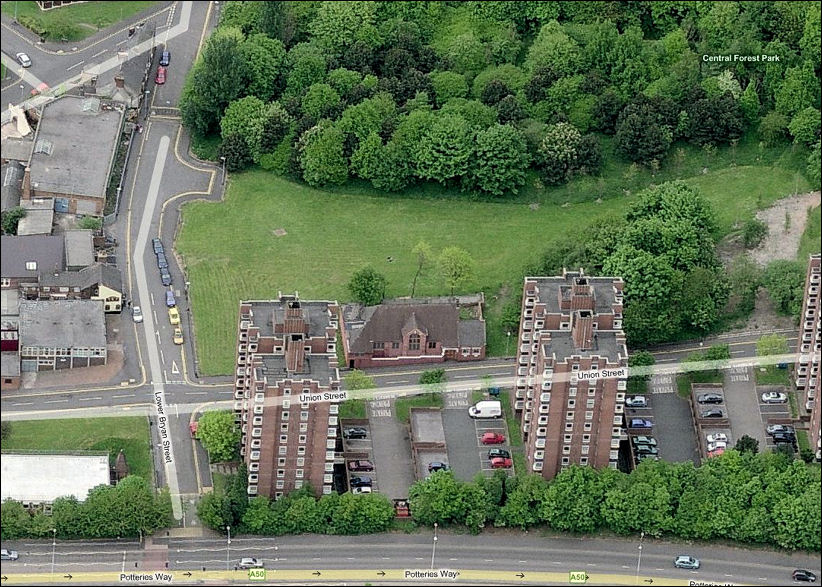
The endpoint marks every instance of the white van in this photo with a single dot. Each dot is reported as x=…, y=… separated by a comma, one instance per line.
x=486, y=409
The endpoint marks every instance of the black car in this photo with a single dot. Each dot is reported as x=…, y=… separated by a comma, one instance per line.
x=709, y=398
x=712, y=413
x=803, y=575
x=158, y=246
x=162, y=262
x=165, y=58
x=437, y=466
x=498, y=452
x=361, y=482
x=165, y=277
x=782, y=438
x=353, y=433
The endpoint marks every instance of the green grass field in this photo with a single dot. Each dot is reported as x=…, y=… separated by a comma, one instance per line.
x=75, y=22
x=101, y=434
x=812, y=236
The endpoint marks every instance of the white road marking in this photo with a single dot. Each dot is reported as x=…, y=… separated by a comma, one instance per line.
x=123, y=395
x=54, y=401
x=70, y=67
x=88, y=399
x=23, y=404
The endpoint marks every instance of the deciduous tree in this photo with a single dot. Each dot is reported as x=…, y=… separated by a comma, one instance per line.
x=456, y=266
x=367, y=286
x=219, y=435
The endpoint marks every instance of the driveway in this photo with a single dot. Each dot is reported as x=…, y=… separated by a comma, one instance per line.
x=743, y=405
x=391, y=450
x=674, y=428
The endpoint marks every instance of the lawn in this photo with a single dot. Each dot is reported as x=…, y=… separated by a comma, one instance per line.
x=772, y=376
x=403, y=405
x=812, y=236
x=75, y=22
x=101, y=434
x=231, y=252
x=352, y=408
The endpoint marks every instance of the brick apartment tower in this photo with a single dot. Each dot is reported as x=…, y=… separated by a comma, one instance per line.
x=286, y=347
x=809, y=345
x=570, y=324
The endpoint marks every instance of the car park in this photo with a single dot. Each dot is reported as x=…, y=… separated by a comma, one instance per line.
x=499, y=452
x=712, y=413
x=9, y=555
x=646, y=449
x=777, y=428
x=361, y=490
x=157, y=244
x=649, y=440
x=178, y=336
x=165, y=58
x=636, y=401
x=360, y=465
x=717, y=437
x=170, y=301
x=137, y=314
x=23, y=59
x=165, y=277
x=437, y=466
x=501, y=463
x=640, y=423
x=686, y=562
x=709, y=398
x=361, y=481
x=250, y=563
x=712, y=446
x=492, y=438
x=160, y=78
x=355, y=433
x=173, y=316
x=803, y=575
x=774, y=397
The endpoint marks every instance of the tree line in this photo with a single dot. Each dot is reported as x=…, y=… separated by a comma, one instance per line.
x=476, y=95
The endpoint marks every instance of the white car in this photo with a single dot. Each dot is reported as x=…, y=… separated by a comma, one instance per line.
x=360, y=490
x=23, y=59
x=712, y=446
x=718, y=437
x=636, y=401
x=774, y=397
x=137, y=314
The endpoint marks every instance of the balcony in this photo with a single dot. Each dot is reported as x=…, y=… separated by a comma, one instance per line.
x=245, y=324
x=537, y=466
x=520, y=405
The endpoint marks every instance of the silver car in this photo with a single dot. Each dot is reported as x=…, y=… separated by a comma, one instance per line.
x=23, y=59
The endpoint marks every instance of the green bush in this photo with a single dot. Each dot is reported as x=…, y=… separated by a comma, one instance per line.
x=754, y=232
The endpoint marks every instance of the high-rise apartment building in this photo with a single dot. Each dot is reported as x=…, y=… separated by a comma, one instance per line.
x=571, y=371
x=286, y=369
x=809, y=345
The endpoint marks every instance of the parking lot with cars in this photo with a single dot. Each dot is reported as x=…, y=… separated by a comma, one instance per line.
x=492, y=435
x=676, y=439
x=361, y=471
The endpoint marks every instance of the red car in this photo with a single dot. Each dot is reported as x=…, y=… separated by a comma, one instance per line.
x=360, y=466
x=161, y=76
x=717, y=452
x=492, y=438
x=501, y=463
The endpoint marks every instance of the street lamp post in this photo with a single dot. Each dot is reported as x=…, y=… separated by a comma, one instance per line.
x=434, y=548
x=222, y=159
x=53, y=547
x=639, y=556
x=507, y=342
x=228, y=548
x=22, y=91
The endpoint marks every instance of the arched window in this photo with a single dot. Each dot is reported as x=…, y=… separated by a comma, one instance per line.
x=414, y=342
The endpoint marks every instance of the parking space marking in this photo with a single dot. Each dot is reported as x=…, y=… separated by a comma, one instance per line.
x=662, y=384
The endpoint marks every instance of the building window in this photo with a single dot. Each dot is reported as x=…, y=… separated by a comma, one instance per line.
x=587, y=427
x=566, y=460
x=569, y=427
x=301, y=462
x=302, y=438
x=283, y=450
x=298, y=484
x=414, y=342
x=284, y=427
x=583, y=460
x=285, y=415
x=303, y=416
x=299, y=473
x=284, y=438
x=281, y=462
x=572, y=392
x=589, y=415
x=280, y=473
x=287, y=391
x=567, y=438
x=31, y=265
x=286, y=404
x=300, y=450
x=303, y=427
x=376, y=345
x=395, y=345
x=572, y=403
x=432, y=344
x=569, y=415
x=589, y=403
x=586, y=438
x=586, y=448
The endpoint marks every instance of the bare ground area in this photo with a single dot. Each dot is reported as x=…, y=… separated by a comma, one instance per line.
x=786, y=221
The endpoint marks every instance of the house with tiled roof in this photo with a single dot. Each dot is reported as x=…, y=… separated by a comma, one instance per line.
x=409, y=331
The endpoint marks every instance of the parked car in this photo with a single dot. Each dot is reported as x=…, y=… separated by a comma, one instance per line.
x=686, y=562
x=162, y=262
x=646, y=449
x=492, y=438
x=8, y=555
x=361, y=490
x=712, y=413
x=250, y=563
x=499, y=452
x=636, y=401
x=165, y=277
x=649, y=440
x=170, y=301
x=160, y=78
x=717, y=437
x=360, y=465
x=803, y=575
x=774, y=397
x=643, y=455
x=437, y=466
x=712, y=446
x=640, y=423
x=173, y=316
x=165, y=58
x=777, y=428
x=157, y=244
x=716, y=453
x=361, y=482
x=357, y=432
x=784, y=439
x=501, y=463
x=709, y=398
x=23, y=59
x=137, y=314
x=178, y=336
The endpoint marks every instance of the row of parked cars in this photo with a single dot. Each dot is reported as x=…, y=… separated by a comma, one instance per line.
x=359, y=484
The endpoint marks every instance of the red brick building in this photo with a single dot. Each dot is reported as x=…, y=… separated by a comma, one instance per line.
x=413, y=331
x=570, y=390
x=810, y=343
x=287, y=347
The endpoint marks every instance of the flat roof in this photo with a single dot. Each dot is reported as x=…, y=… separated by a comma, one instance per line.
x=317, y=367
x=36, y=221
x=10, y=363
x=605, y=344
x=267, y=313
x=79, y=248
x=62, y=323
x=45, y=477
x=82, y=145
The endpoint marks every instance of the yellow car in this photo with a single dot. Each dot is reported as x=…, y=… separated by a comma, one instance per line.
x=173, y=316
x=178, y=336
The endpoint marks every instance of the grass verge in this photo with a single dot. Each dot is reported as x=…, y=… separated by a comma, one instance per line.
x=811, y=241
x=108, y=434
x=352, y=408
x=206, y=147
x=403, y=405
x=514, y=430
x=772, y=376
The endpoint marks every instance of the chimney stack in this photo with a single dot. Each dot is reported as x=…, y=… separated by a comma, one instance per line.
x=119, y=81
x=582, y=329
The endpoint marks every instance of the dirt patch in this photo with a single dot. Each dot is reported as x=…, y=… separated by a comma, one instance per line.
x=786, y=221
